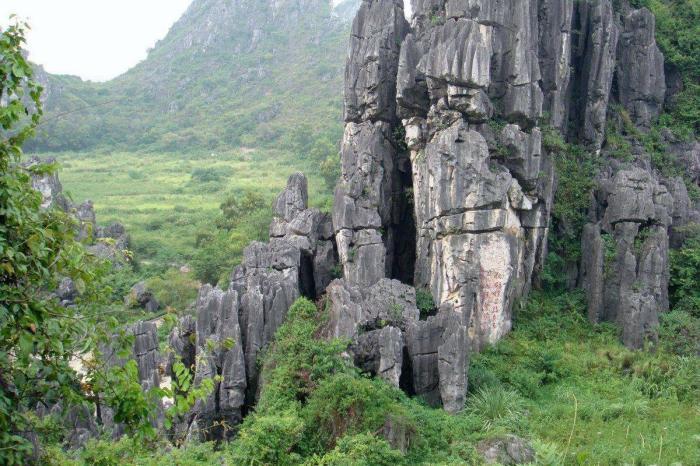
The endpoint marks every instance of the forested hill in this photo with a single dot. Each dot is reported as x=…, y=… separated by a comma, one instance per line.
x=228, y=73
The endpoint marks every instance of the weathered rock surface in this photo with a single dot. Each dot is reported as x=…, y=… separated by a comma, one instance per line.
x=508, y=450
x=625, y=253
x=107, y=243
x=309, y=230
x=446, y=187
x=141, y=296
x=365, y=207
x=48, y=185
x=641, y=80
x=555, y=45
x=230, y=328
x=219, y=352
x=145, y=351
x=482, y=193
x=594, y=53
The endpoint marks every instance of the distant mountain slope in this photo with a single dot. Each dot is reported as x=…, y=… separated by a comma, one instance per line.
x=228, y=73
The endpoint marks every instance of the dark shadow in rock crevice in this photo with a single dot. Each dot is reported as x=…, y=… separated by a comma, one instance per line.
x=403, y=229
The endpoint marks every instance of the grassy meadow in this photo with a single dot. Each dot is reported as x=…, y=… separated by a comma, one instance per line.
x=166, y=199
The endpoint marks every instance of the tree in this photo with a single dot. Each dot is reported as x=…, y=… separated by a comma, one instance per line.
x=37, y=249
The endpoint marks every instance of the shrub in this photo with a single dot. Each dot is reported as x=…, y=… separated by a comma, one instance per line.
x=425, y=303
x=685, y=274
x=495, y=405
x=269, y=439
x=679, y=333
x=347, y=404
x=360, y=450
x=297, y=361
x=206, y=175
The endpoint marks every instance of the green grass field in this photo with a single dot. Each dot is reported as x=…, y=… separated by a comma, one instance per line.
x=164, y=206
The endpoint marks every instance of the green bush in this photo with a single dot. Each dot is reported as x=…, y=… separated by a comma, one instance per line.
x=496, y=405
x=347, y=404
x=360, y=450
x=269, y=439
x=684, y=288
x=297, y=361
x=679, y=333
x=678, y=36
x=425, y=303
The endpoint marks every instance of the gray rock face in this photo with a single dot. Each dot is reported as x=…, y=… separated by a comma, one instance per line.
x=298, y=260
x=625, y=249
x=141, y=296
x=145, y=352
x=593, y=58
x=267, y=284
x=219, y=352
x=353, y=307
x=78, y=421
x=309, y=230
x=482, y=193
x=508, y=450
x=641, y=80
x=232, y=327
x=428, y=358
x=371, y=162
x=66, y=292
x=48, y=185
x=87, y=223
x=370, y=72
x=555, y=42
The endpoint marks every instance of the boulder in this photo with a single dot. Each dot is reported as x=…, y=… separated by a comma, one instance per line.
x=141, y=296
x=507, y=450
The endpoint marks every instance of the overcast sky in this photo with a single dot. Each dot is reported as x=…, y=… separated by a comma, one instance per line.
x=93, y=39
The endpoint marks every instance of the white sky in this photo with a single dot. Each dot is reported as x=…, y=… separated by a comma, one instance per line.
x=94, y=39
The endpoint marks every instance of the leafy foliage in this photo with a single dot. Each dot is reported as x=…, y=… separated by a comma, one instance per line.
x=175, y=289
x=678, y=36
x=685, y=273
x=575, y=169
x=37, y=249
x=360, y=450
x=425, y=303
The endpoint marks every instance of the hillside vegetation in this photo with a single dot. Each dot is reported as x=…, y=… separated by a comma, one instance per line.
x=227, y=74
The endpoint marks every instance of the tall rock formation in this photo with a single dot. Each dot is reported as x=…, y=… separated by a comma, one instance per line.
x=369, y=186
x=446, y=188
x=475, y=82
x=231, y=327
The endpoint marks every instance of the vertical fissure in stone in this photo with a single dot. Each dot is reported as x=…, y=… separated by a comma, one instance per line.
x=577, y=96
x=406, y=377
x=404, y=223
x=307, y=283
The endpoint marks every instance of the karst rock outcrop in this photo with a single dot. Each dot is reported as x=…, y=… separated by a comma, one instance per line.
x=105, y=242
x=446, y=184
x=447, y=189
x=231, y=327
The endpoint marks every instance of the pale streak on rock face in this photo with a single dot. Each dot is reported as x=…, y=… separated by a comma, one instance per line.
x=495, y=274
